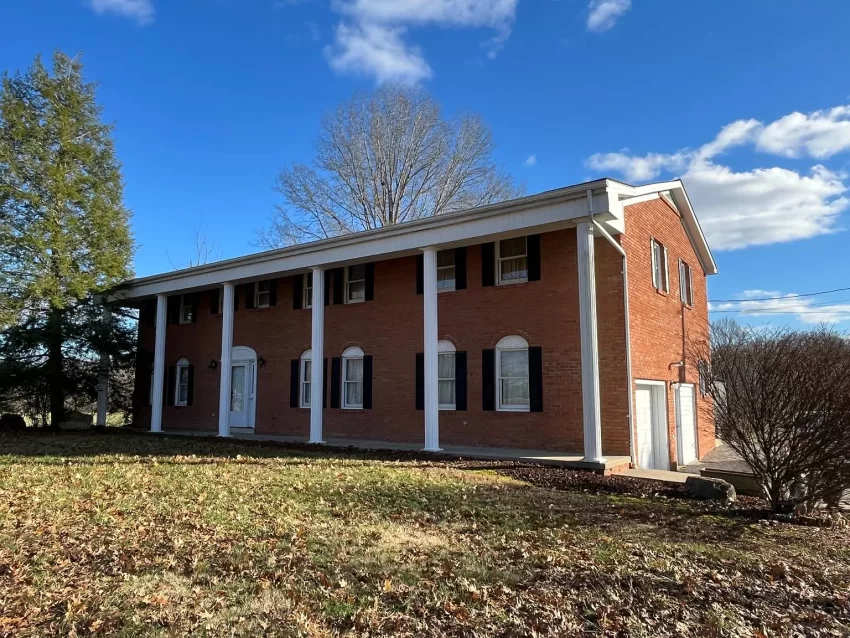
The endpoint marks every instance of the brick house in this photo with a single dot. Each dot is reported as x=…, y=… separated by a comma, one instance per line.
x=556, y=322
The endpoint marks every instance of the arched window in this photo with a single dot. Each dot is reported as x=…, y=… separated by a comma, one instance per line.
x=306, y=377
x=352, y=378
x=181, y=390
x=446, y=375
x=512, y=374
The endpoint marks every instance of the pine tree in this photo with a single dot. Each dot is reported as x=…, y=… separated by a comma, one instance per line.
x=64, y=230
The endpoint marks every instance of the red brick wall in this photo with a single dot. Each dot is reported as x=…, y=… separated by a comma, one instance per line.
x=389, y=328
x=661, y=327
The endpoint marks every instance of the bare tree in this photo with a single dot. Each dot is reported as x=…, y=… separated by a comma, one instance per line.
x=782, y=401
x=386, y=158
x=205, y=251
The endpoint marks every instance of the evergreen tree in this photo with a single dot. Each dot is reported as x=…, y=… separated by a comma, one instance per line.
x=64, y=231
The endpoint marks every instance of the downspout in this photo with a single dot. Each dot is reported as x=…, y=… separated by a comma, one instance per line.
x=622, y=252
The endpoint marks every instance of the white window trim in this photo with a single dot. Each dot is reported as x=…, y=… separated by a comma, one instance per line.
x=654, y=243
x=447, y=347
x=453, y=267
x=257, y=303
x=686, y=284
x=303, y=380
x=184, y=303
x=307, y=300
x=351, y=354
x=500, y=259
x=183, y=363
x=510, y=344
x=348, y=300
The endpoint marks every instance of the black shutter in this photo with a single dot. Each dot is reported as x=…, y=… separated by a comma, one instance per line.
x=488, y=264
x=533, y=248
x=173, y=308
x=169, y=385
x=460, y=381
x=250, y=290
x=488, y=380
x=214, y=297
x=535, y=378
x=339, y=285
x=460, y=268
x=370, y=281
x=336, y=373
x=190, y=389
x=325, y=383
x=420, y=274
x=367, y=382
x=420, y=381
x=298, y=292
x=273, y=292
x=236, y=292
x=194, y=302
x=327, y=275
x=294, y=379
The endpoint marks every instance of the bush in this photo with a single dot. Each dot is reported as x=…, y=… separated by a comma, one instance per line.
x=782, y=401
x=12, y=422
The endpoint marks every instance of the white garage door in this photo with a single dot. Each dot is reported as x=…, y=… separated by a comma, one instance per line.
x=686, y=423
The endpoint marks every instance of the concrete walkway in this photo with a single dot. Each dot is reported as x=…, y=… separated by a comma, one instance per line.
x=667, y=476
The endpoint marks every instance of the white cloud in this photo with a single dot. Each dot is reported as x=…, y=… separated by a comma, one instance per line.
x=604, y=14
x=761, y=205
x=373, y=30
x=140, y=10
x=531, y=160
x=766, y=303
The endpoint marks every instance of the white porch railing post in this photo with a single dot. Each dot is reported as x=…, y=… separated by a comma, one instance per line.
x=159, y=363
x=591, y=409
x=226, y=363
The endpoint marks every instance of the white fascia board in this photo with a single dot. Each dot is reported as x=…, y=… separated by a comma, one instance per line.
x=539, y=213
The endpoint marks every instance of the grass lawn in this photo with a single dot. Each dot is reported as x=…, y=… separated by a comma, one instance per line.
x=124, y=534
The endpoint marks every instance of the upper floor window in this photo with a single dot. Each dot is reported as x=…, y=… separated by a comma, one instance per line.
x=263, y=294
x=306, y=378
x=512, y=374
x=445, y=270
x=355, y=283
x=446, y=381
x=307, y=302
x=660, y=274
x=187, y=309
x=686, y=289
x=512, y=260
x=181, y=390
x=352, y=378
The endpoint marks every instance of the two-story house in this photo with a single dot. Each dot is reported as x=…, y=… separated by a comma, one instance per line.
x=559, y=321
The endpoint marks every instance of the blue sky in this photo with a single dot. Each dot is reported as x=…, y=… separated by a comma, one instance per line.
x=749, y=102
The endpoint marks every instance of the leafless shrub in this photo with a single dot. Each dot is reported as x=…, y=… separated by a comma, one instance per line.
x=782, y=401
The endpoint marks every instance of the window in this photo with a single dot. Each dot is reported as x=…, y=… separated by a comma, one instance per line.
x=445, y=270
x=355, y=284
x=446, y=384
x=306, y=378
x=686, y=290
x=512, y=374
x=263, y=294
x=187, y=309
x=181, y=393
x=660, y=275
x=352, y=378
x=307, y=302
x=512, y=260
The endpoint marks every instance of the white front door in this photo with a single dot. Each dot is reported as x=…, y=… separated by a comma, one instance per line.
x=651, y=421
x=239, y=395
x=686, y=426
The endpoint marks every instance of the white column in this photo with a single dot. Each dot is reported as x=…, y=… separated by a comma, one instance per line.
x=159, y=363
x=317, y=376
x=226, y=363
x=103, y=373
x=432, y=402
x=589, y=344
